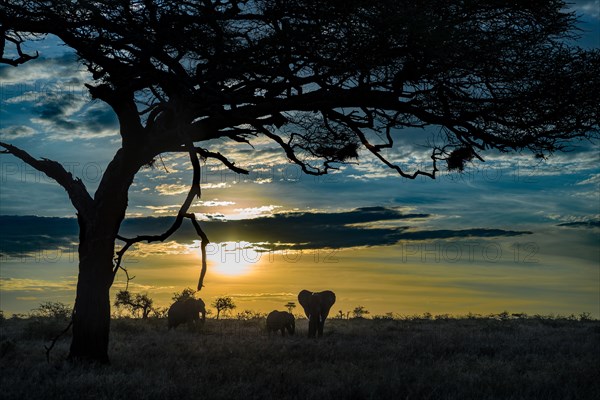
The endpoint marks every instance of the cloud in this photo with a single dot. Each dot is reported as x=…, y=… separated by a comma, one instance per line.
x=581, y=224
x=591, y=8
x=295, y=231
x=67, y=117
x=53, y=98
x=592, y=180
x=42, y=238
x=144, y=250
x=170, y=189
x=215, y=203
x=16, y=132
x=220, y=185
x=252, y=212
x=167, y=209
x=36, y=285
x=63, y=70
x=263, y=295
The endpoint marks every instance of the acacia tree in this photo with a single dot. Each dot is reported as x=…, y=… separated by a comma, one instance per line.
x=360, y=312
x=290, y=305
x=141, y=302
x=324, y=80
x=187, y=293
x=224, y=304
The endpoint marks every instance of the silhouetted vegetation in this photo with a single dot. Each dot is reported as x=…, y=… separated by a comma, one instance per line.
x=223, y=304
x=184, y=294
x=418, y=356
x=140, y=304
x=290, y=306
x=360, y=312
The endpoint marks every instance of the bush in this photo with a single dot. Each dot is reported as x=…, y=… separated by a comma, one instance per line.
x=55, y=310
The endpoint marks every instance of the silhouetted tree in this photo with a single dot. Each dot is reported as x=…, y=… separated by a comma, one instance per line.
x=53, y=309
x=360, y=312
x=290, y=306
x=223, y=304
x=327, y=81
x=140, y=303
x=184, y=294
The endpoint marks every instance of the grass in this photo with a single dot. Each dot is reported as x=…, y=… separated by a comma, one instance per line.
x=410, y=358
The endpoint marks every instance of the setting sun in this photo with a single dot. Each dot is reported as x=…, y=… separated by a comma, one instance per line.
x=232, y=258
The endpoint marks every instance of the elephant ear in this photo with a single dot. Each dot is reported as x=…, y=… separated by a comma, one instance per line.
x=327, y=298
x=304, y=300
x=200, y=306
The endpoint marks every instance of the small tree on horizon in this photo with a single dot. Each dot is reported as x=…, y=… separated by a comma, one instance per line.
x=53, y=309
x=186, y=293
x=223, y=304
x=290, y=306
x=360, y=312
x=140, y=303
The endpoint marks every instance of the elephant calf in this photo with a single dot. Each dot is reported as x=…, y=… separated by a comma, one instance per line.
x=281, y=321
x=187, y=310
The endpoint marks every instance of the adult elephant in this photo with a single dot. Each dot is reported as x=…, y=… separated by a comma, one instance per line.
x=186, y=310
x=281, y=321
x=316, y=307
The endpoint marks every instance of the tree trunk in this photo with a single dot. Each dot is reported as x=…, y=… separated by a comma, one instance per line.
x=98, y=230
x=91, y=318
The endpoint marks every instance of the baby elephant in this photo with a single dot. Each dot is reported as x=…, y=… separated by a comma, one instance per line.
x=280, y=321
x=187, y=310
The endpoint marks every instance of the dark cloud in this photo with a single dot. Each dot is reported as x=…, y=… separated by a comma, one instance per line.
x=22, y=235
x=99, y=118
x=56, y=108
x=359, y=227
x=581, y=224
x=70, y=113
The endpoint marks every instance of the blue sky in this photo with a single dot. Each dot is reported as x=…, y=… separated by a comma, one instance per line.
x=511, y=233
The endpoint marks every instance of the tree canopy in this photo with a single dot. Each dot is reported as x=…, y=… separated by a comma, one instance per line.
x=325, y=80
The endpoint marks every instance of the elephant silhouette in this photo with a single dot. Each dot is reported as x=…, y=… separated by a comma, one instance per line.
x=281, y=321
x=186, y=310
x=316, y=307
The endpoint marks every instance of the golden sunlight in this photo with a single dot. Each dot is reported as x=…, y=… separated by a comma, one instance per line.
x=232, y=258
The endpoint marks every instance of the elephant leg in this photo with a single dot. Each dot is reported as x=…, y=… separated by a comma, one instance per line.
x=312, y=327
x=283, y=331
x=321, y=324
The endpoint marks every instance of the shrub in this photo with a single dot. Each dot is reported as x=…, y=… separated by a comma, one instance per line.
x=55, y=310
x=585, y=316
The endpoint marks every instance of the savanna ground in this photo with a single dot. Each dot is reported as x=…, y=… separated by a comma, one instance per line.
x=498, y=357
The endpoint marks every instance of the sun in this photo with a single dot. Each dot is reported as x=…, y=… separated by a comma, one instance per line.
x=232, y=258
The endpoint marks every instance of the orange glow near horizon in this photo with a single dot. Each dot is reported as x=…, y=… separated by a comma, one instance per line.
x=232, y=258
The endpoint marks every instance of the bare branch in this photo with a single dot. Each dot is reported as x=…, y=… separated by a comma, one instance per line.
x=75, y=188
x=22, y=58
x=183, y=213
x=55, y=339
x=231, y=165
x=291, y=154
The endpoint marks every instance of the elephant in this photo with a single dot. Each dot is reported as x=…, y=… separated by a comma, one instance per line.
x=281, y=321
x=316, y=307
x=186, y=310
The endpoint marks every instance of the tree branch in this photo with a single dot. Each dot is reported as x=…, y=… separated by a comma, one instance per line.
x=183, y=213
x=231, y=165
x=81, y=199
x=23, y=57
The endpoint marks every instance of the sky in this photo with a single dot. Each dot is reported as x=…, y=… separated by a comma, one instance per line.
x=513, y=233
